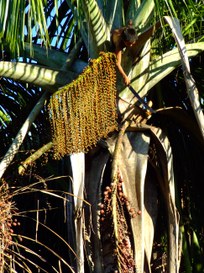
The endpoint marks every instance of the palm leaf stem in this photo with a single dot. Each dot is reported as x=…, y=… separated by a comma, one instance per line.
x=12, y=151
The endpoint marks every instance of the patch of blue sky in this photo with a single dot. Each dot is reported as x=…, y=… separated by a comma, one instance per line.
x=60, y=34
x=61, y=30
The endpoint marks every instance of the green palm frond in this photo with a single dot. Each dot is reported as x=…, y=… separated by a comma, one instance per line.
x=28, y=20
x=190, y=14
x=38, y=22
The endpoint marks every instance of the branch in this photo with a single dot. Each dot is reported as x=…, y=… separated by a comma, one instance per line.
x=48, y=57
x=6, y=161
x=34, y=74
x=29, y=161
x=52, y=58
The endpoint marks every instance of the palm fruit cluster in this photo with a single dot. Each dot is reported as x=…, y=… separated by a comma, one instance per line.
x=85, y=111
x=123, y=257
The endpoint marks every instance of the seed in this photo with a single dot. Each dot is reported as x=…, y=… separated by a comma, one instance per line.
x=105, y=193
x=101, y=206
x=127, y=203
x=102, y=211
x=108, y=189
x=131, y=210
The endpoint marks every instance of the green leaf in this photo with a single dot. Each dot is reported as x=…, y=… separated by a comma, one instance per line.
x=190, y=83
x=98, y=33
x=3, y=16
x=144, y=14
x=164, y=65
x=4, y=117
x=35, y=74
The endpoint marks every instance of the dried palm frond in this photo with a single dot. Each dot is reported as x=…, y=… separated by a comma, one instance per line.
x=28, y=251
x=7, y=208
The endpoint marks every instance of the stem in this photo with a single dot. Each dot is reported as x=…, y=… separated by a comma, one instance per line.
x=34, y=74
x=22, y=168
x=12, y=151
x=114, y=178
x=192, y=90
x=186, y=256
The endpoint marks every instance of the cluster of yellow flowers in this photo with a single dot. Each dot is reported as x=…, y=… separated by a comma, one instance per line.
x=85, y=111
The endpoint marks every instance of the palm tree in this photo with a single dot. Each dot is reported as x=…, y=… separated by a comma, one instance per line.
x=130, y=169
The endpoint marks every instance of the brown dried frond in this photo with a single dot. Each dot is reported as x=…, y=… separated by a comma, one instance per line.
x=7, y=210
x=84, y=111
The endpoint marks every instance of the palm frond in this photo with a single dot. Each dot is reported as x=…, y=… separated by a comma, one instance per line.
x=17, y=142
